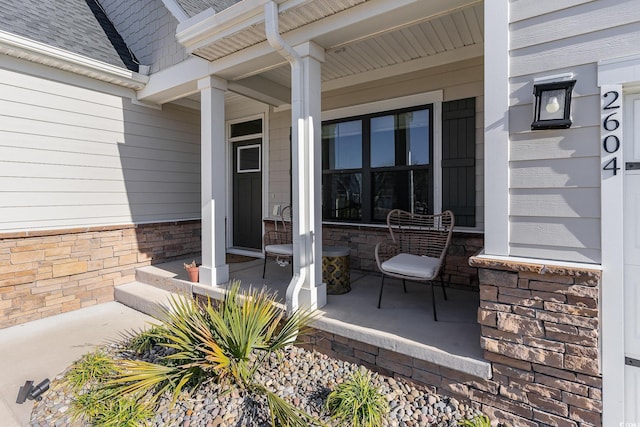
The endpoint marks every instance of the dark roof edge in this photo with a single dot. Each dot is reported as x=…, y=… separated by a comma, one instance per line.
x=127, y=57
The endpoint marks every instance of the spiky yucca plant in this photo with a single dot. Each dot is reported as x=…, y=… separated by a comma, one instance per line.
x=225, y=342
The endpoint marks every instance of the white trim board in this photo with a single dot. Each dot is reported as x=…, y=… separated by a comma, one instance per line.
x=624, y=72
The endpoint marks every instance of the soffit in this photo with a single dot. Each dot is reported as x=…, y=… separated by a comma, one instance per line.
x=289, y=20
x=429, y=38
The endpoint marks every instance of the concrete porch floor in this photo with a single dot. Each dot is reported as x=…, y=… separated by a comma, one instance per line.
x=404, y=323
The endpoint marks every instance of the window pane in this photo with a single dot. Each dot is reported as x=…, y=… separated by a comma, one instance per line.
x=414, y=131
x=249, y=158
x=400, y=139
x=341, y=196
x=406, y=190
x=246, y=128
x=383, y=142
x=342, y=145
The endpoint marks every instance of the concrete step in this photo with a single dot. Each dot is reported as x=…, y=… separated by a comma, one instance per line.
x=143, y=297
x=169, y=277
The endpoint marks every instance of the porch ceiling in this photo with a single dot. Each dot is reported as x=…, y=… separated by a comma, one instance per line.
x=364, y=40
x=462, y=29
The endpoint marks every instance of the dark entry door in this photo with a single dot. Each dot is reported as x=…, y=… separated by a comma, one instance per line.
x=247, y=194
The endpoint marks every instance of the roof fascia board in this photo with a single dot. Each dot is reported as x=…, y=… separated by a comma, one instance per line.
x=176, y=81
x=176, y=10
x=31, y=50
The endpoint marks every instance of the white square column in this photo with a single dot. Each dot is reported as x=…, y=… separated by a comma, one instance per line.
x=214, y=270
x=306, y=175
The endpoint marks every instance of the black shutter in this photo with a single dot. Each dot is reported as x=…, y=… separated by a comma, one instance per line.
x=459, y=160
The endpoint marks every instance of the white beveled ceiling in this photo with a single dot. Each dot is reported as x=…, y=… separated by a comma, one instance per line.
x=436, y=36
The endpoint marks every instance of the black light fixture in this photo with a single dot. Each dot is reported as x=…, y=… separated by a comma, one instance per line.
x=552, y=104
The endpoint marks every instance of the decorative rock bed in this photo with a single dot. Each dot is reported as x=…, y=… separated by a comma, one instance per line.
x=302, y=377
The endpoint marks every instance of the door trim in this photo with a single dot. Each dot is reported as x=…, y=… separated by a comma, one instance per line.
x=265, y=175
x=622, y=72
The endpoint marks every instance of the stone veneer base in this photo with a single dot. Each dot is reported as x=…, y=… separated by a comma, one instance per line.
x=48, y=272
x=539, y=332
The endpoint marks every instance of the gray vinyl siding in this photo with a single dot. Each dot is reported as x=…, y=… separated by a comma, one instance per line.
x=73, y=156
x=555, y=174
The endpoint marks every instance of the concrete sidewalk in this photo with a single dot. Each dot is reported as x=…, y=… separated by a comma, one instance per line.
x=44, y=348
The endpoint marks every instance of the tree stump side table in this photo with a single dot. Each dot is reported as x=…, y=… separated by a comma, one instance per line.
x=335, y=269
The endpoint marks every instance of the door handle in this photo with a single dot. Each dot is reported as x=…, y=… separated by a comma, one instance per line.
x=631, y=166
x=630, y=361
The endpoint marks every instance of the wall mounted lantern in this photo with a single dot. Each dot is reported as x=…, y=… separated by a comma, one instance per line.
x=552, y=103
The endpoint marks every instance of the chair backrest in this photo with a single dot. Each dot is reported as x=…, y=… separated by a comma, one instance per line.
x=418, y=234
x=285, y=223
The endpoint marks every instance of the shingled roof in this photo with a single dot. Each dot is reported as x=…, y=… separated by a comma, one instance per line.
x=193, y=7
x=78, y=26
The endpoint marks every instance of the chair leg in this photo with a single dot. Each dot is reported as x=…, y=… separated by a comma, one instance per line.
x=433, y=302
x=264, y=267
x=380, y=296
x=442, y=284
x=404, y=285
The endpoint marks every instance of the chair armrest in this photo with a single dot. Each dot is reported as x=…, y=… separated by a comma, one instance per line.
x=385, y=250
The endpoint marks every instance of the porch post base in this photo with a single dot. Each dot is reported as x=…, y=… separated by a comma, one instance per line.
x=214, y=275
x=315, y=297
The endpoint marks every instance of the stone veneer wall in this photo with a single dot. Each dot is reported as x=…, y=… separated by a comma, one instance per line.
x=540, y=334
x=43, y=273
x=362, y=242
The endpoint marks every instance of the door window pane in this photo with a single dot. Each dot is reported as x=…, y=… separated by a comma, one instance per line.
x=341, y=195
x=249, y=158
x=342, y=145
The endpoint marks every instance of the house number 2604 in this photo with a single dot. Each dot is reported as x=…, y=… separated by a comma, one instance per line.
x=611, y=128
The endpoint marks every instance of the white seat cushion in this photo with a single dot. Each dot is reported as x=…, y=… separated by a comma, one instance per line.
x=423, y=267
x=286, y=249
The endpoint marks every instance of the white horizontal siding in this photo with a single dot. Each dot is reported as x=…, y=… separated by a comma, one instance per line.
x=71, y=156
x=279, y=159
x=568, y=232
x=556, y=202
x=555, y=174
x=525, y=9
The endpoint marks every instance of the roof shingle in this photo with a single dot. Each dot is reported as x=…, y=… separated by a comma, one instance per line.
x=193, y=7
x=67, y=24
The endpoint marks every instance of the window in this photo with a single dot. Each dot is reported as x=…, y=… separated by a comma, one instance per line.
x=374, y=163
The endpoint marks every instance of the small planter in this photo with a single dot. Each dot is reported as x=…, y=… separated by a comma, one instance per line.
x=192, y=271
x=193, y=274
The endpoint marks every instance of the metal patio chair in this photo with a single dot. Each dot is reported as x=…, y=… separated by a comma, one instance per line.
x=416, y=250
x=278, y=243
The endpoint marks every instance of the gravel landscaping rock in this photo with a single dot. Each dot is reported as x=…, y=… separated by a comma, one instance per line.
x=301, y=377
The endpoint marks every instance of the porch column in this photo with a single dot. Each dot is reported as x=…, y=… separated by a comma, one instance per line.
x=307, y=179
x=214, y=270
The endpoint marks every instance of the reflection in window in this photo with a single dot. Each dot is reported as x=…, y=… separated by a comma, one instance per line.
x=376, y=163
x=407, y=190
x=342, y=145
x=341, y=196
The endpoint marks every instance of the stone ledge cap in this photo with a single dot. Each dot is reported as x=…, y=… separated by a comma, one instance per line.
x=543, y=267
